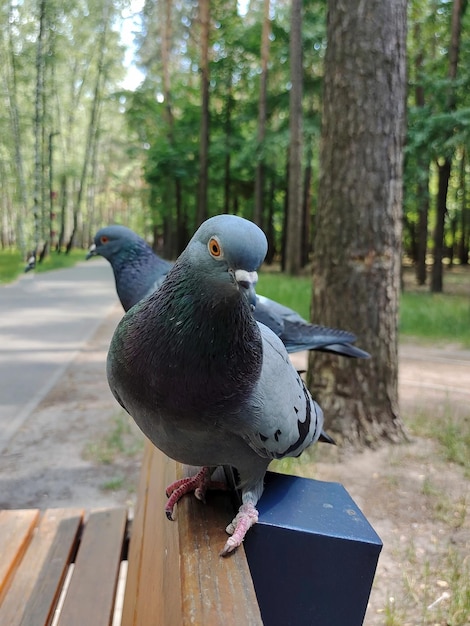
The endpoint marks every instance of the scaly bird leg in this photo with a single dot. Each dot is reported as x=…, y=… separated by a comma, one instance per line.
x=199, y=483
x=246, y=517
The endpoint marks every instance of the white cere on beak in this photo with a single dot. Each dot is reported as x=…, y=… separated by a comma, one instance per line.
x=246, y=282
x=242, y=276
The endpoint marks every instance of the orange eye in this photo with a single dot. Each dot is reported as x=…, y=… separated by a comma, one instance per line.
x=104, y=239
x=214, y=248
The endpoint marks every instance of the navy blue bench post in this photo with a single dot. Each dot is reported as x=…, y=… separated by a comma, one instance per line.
x=312, y=555
x=310, y=560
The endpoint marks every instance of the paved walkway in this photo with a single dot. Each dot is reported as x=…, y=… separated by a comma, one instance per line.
x=45, y=319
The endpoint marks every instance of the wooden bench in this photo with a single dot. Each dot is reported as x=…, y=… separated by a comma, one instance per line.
x=61, y=567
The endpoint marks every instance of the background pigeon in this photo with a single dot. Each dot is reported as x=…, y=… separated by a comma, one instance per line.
x=138, y=271
x=204, y=381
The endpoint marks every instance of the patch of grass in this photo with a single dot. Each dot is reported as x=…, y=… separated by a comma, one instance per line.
x=450, y=429
x=425, y=316
x=433, y=592
x=435, y=317
x=458, y=612
x=11, y=265
x=393, y=615
x=121, y=439
x=294, y=292
x=56, y=261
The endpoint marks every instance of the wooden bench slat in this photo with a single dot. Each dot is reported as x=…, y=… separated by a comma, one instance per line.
x=91, y=593
x=35, y=588
x=16, y=529
x=166, y=585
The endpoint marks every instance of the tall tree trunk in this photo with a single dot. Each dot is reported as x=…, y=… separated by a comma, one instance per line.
x=444, y=170
x=262, y=115
x=10, y=87
x=463, y=243
x=307, y=206
x=357, y=258
x=38, y=129
x=228, y=156
x=204, y=17
x=166, y=36
x=92, y=127
x=422, y=191
x=293, y=252
x=445, y=167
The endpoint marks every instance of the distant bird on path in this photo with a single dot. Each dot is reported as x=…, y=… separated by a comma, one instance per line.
x=138, y=271
x=204, y=381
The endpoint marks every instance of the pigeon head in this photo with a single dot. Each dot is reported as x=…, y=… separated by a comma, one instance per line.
x=228, y=249
x=112, y=240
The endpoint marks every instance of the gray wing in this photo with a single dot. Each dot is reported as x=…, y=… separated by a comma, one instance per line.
x=297, y=334
x=289, y=420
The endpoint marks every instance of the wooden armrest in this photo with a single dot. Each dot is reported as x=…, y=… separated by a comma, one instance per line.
x=175, y=573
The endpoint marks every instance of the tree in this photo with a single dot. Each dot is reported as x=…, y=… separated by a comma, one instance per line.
x=204, y=18
x=293, y=252
x=356, y=275
x=444, y=164
x=262, y=114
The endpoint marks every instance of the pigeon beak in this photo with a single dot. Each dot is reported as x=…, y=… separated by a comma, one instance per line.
x=91, y=251
x=246, y=282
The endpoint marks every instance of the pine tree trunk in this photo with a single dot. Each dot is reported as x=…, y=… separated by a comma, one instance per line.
x=422, y=191
x=262, y=114
x=204, y=17
x=357, y=249
x=293, y=251
x=445, y=167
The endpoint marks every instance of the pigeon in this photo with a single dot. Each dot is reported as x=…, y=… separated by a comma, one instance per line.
x=138, y=271
x=206, y=382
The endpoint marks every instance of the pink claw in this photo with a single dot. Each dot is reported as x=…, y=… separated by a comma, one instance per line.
x=246, y=517
x=198, y=484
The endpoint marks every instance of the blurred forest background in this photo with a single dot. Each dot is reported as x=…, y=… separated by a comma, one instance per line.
x=210, y=127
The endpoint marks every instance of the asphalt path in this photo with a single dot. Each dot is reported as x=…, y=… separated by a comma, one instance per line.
x=45, y=319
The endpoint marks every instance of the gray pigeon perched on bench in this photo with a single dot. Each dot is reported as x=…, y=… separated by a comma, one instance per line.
x=138, y=271
x=206, y=383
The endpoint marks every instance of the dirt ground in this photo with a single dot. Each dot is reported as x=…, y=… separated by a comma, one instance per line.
x=79, y=448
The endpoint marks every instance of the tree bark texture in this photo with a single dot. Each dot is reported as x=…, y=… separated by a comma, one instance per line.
x=262, y=116
x=357, y=250
x=445, y=168
x=293, y=252
x=204, y=17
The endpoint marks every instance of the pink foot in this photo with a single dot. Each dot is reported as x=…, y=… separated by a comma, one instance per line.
x=199, y=483
x=247, y=516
